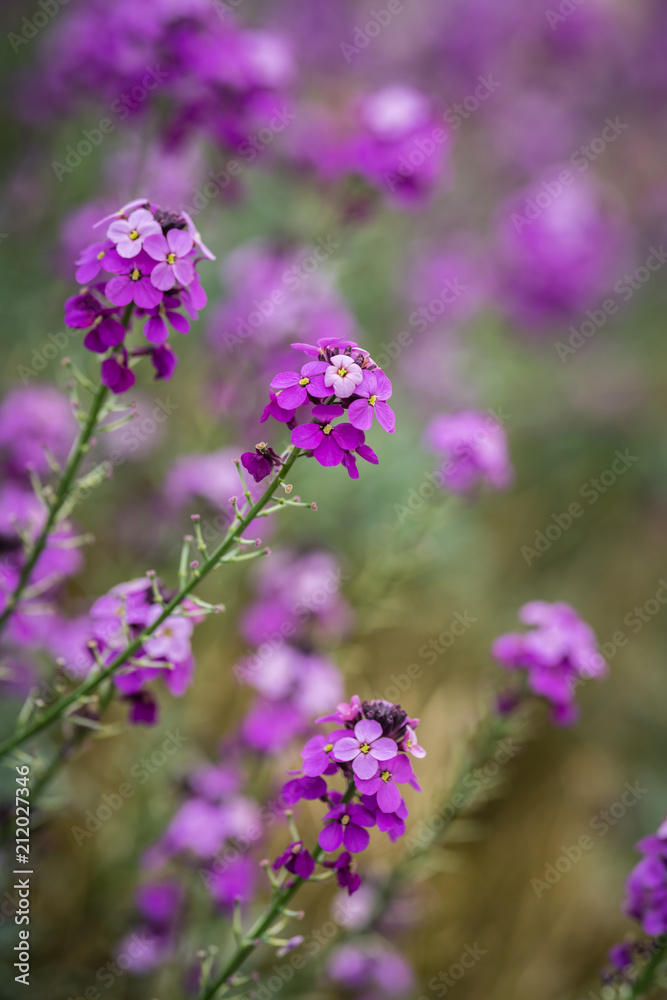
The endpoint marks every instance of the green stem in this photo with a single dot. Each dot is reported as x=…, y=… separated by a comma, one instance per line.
x=79, y=451
x=263, y=923
x=641, y=985
x=94, y=680
x=77, y=454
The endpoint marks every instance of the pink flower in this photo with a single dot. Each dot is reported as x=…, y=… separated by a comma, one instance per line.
x=129, y=234
x=171, y=639
x=123, y=212
x=375, y=389
x=343, y=375
x=171, y=252
x=294, y=387
x=365, y=748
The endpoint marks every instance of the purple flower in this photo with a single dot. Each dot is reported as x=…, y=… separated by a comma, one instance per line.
x=343, y=375
x=274, y=409
x=260, y=462
x=122, y=212
x=134, y=284
x=346, y=878
x=164, y=361
x=309, y=788
x=105, y=334
x=383, y=784
x=410, y=743
x=89, y=263
x=646, y=887
x=296, y=860
x=557, y=654
x=129, y=234
x=156, y=330
x=317, y=753
x=171, y=252
x=171, y=640
x=295, y=387
x=475, y=448
x=117, y=375
x=375, y=390
x=365, y=748
x=346, y=827
x=81, y=311
x=328, y=443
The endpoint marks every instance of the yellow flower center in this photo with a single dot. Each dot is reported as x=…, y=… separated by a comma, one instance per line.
x=136, y=274
x=327, y=429
x=372, y=399
x=365, y=748
x=345, y=819
x=328, y=748
x=171, y=258
x=304, y=381
x=385, y=775
x=342, y=372
x=134, y=235
x=101, y=254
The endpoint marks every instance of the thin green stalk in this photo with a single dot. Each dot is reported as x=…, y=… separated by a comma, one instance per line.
x=77, y=454
x=94, y=680
x=79, y=450
x=251, y=940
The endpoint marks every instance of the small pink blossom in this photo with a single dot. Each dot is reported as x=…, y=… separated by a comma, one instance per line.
x=129, y=234
x=343, y=376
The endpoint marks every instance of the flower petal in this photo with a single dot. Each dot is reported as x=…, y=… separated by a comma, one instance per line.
x=346, y=749
x=384, y=748
x=365, y=766
x=331, y=837
x=367, y=730
x=389, y=797
x=306, y=436
x=355, y=838
x=360, y=414
x=385, y=415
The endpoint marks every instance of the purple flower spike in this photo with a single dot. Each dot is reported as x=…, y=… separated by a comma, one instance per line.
x=129, y=234
x=383, y=784
x=296, y=860
x=375, y=390
x=346, y=827
x=365, y=748
x=171, y=252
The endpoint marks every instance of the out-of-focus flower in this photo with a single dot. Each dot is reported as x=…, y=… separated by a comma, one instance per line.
x=474, y=446
x=557, y=654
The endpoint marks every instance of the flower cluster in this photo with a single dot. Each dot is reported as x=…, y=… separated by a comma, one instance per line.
x=149, y=257
x=558, y=654
x=474, y=447
x=342, y=379
x=117, y=619
x=370, y=748
x=297, y=609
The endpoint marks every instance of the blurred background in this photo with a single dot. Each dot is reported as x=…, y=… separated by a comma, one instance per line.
x=486, y=184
